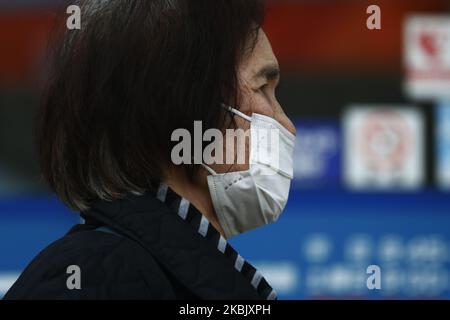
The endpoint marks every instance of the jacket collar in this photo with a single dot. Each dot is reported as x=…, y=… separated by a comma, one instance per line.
x=185, y=243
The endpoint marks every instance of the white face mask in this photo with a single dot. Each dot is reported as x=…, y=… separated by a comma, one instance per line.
x=246, y=200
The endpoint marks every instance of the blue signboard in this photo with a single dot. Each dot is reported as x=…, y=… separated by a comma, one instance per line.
x=321, y=246
x=443, y=145
x=317, y=159
x=27, y=226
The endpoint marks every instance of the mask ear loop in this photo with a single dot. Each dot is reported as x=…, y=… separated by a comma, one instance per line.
x=237, y=112
x=211, y=171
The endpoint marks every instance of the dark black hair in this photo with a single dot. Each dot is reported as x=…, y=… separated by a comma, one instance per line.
x=133, y=73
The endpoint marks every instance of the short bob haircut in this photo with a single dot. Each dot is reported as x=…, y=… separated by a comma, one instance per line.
x=136, y=71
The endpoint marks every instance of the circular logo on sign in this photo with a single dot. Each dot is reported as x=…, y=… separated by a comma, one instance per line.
x=385, y=141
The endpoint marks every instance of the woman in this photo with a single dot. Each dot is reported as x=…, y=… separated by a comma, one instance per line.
x=133, y=74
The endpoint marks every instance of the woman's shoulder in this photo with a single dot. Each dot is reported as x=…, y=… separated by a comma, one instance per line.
x=93, y=265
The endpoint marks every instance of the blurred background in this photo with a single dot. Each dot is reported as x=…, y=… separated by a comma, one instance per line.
x=372, y=161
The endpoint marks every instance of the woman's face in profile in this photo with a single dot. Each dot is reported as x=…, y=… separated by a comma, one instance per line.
x=259, y=76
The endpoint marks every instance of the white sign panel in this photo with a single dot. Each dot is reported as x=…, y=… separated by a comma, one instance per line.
x=427, y=57
x=383, y=147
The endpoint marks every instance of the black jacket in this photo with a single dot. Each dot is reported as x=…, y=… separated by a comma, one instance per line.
x=156, y=247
